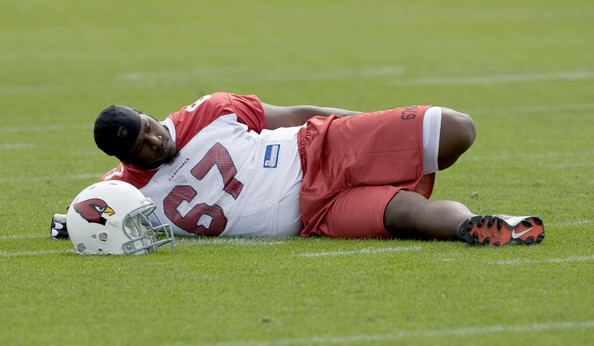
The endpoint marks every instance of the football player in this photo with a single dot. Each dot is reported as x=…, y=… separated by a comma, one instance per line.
x=231, y=165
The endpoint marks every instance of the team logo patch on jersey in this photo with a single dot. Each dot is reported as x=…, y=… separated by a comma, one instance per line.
x=271, y=156
x=93, y=210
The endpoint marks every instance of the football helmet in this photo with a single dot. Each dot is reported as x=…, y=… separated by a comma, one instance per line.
x=114, y=217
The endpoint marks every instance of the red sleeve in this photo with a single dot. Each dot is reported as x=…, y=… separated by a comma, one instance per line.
x=189, y=120
x=130, y=174
x=249, y=111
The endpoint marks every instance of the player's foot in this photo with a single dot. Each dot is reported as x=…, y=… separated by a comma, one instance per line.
x=501, y=230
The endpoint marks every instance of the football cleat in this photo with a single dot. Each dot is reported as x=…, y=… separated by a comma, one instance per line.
x=501, y=230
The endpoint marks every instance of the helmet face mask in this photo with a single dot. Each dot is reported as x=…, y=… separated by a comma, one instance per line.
x=113, y=217
x=145, y=230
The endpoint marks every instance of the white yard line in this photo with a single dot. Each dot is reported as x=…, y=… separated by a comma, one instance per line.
x=570, y=259
x=33, y=253
x=535, y=108
x=498, y=79
x=143, y=78
x=24, y=236
x=533, y=155
x=364, y=251
x=434, y=333
x=179, y=240
x=229, y=241
x=148, y=78
x=263, y=74
x=16, y=146
x=571, y=223
x=46, y=127
x=82, y=176
x=569, y=165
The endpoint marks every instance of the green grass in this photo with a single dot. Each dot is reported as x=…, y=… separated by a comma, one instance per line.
x=523, y=69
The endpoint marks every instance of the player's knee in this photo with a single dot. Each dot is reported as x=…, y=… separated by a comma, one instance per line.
x=460, y=127
x=468, y=129
x=457, y=135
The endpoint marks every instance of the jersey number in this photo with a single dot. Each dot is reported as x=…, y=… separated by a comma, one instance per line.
x=216, y=156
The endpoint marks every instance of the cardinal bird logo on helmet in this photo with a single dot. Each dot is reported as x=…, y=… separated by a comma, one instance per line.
x=93, y=210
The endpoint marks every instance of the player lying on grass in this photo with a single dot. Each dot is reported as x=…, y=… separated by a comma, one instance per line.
x=231, y=165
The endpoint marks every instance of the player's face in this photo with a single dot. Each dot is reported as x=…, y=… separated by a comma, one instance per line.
x=154, y=145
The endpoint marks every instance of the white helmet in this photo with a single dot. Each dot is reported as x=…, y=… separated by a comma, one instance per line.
x=114, y=217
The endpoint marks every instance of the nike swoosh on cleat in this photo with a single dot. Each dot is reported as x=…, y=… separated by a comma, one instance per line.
x=518, y=235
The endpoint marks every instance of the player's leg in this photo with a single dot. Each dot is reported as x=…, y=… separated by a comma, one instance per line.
x=447, y=134
x=388, y=212
x=372, y=169
x=410, y=215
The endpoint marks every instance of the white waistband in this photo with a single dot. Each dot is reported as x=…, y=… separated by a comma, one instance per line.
x=431, y=130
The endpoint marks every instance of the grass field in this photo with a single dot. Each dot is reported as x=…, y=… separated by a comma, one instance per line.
x=523, y=69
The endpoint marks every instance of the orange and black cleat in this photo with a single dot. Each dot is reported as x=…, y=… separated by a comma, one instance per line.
x=501, y=230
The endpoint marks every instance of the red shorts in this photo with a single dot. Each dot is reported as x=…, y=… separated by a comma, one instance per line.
x=353, y=166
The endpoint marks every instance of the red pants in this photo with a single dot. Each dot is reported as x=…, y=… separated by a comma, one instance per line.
x=353, y=166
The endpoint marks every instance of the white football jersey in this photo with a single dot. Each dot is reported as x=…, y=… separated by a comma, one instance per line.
x=230, y=177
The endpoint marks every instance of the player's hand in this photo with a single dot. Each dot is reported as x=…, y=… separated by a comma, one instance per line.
x=58, y=228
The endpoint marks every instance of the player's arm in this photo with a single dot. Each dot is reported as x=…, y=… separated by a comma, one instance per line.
x=278, y=116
